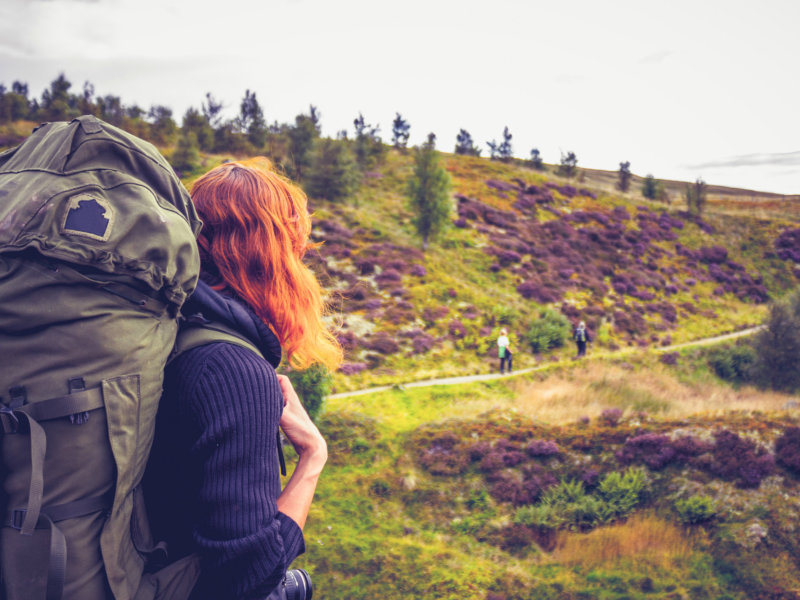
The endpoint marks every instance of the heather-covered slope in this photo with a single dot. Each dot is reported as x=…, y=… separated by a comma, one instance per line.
x=638, y=272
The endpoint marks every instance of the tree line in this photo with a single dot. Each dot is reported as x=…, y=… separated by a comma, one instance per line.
x=327, y=168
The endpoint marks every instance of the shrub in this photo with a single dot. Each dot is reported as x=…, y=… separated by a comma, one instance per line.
x=695, y=509
x=550, y=330
x=688, y=446
x=670, y=358
x=732, y=363
x=787, y=449
x=787, y=245
x=422, y=343
x=544, y=515
x=736, y=458
x=312, y=385
x=542, y=448
x=777, y=348
x=382, y=342
x=624, y=491
x=444, y=456
x=352, y=368
x=565, y=504
x=713, y=254
x=611, y=416
x=652, y=449
x=590, y=478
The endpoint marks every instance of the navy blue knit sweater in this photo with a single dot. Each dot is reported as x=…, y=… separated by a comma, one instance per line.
x=213, y=477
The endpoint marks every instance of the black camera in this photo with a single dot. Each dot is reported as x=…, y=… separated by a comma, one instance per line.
x=295, y=586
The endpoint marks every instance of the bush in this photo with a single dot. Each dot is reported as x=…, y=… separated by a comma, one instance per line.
x=738, y=459
x=565, y=504
x=542, y=448
x=624, y=491
x=312, y=385
x=695, y=509
x=187, y=155
x=732, y=363
x=568, y=504
x=550, y=330
x=777, y=348
x=611, y=416
x=787, y=449
x=652, y=449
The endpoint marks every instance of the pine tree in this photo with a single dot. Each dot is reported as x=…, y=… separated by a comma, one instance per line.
x=624, y=176
x=162, y=125
x=196, y=122
x=212, y=111
x=15, y=104
x=186, y=156
x=696, y=197
x=400, y=132
x=111, y=109
x=504, y=150
x=368, y=145
x=251, y=120
x=429, y=193
x=569, y=164
x=536, y=160
x=332, y=172
x=57, y=103
x=501, y=150
x=650, y=187
x=465, y=145
x=301, y=140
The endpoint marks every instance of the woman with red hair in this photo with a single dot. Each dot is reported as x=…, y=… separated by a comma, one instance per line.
x=213, y=482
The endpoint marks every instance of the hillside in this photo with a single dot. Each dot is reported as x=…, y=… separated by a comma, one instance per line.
x=638, y=272
x=629, y=474
x=618, y=478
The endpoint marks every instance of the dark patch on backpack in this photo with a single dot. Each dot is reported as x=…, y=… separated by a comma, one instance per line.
x=89, y=216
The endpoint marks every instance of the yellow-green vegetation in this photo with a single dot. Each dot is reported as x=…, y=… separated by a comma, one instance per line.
x=634, y=473
x=412, y=504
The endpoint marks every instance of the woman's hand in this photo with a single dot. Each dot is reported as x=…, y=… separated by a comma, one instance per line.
x=298, y=426
x=295, y=499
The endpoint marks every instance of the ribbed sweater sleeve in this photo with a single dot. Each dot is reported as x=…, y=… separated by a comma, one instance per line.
x=232, y=401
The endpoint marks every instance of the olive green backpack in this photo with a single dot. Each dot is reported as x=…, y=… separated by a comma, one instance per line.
x=97, y=255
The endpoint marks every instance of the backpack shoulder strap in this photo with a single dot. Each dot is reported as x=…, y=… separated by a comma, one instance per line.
x=195, y=335
x=200, y=334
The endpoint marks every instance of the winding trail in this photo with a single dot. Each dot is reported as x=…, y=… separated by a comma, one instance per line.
x=491, y=376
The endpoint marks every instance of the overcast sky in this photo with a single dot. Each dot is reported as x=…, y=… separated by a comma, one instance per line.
x=680, y=88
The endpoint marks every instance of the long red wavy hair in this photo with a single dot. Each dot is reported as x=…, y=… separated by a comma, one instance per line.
x=255, y=233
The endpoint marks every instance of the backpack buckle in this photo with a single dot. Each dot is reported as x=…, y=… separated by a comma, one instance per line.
x=8, y=420
x=17, y=517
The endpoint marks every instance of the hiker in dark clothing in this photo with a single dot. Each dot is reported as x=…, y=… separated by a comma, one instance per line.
x=215, y=459
x=581, y=337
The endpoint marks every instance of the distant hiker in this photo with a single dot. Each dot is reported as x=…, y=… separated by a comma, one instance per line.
x=504, y=350
x=581, y=337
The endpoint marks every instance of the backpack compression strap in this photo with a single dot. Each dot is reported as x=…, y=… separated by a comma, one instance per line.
x=35, y=516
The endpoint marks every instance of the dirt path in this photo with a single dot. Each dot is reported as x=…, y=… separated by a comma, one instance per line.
x=491, y=376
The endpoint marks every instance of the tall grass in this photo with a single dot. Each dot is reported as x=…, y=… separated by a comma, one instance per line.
x=644, y=538
x=593, y=387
